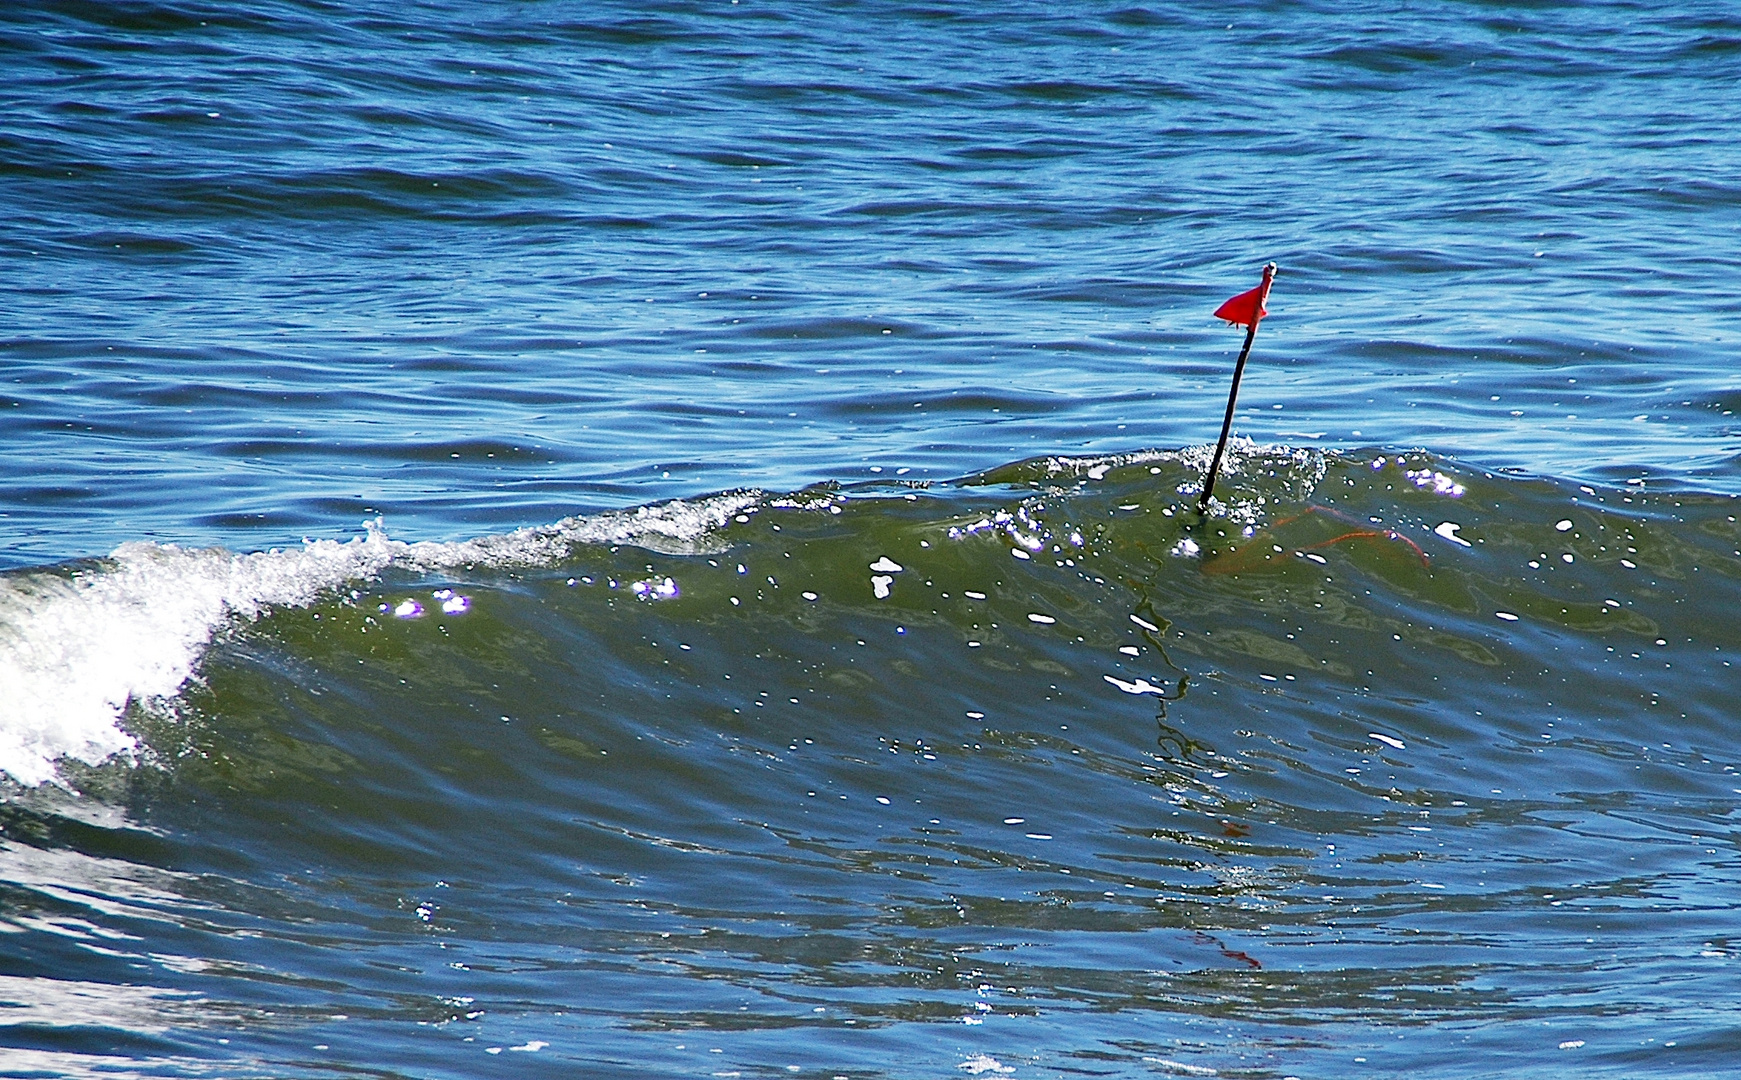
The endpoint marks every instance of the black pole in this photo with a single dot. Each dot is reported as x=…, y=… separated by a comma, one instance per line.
x=1233, y=393
x=1227, y=421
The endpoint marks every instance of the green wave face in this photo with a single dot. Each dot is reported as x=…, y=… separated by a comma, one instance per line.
x=858, y=772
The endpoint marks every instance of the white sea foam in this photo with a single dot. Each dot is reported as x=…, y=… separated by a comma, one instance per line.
x=77, y=647
x=1254, y=477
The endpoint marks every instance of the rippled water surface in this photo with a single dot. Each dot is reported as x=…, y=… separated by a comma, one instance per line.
x=582, y=539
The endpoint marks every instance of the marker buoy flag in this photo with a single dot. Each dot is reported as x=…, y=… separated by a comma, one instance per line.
x=1245, y=310
x=1247, y=307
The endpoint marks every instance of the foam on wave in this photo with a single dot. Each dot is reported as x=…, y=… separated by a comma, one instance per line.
x=77, y=646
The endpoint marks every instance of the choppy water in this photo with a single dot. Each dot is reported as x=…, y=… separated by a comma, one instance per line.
x=585, y=540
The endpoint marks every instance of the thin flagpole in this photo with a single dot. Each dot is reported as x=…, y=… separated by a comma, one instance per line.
x=1233, y=393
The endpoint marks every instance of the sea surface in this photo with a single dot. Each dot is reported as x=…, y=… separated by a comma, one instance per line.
x=556, y=539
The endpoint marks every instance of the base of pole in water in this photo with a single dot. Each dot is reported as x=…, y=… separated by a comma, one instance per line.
x=1245, y=308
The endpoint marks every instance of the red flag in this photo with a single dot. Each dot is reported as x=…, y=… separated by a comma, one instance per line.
x=1246, y=308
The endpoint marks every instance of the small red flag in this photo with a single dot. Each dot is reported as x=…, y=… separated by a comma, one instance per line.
x=1247, y=308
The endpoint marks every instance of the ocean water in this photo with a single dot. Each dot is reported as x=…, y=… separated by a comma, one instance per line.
x=558, y=539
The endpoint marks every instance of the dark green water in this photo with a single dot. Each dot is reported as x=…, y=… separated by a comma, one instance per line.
x=678, y=792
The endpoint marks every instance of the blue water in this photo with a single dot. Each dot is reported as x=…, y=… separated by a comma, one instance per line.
x=315, y=310
x=607, y=244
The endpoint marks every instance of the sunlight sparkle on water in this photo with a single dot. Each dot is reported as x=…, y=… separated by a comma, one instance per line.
x=1437, y=481
x=655, y=589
